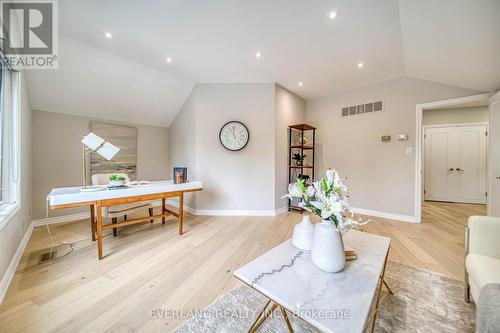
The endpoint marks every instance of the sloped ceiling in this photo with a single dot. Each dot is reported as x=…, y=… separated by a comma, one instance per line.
x=456, y=42
x=96, y=83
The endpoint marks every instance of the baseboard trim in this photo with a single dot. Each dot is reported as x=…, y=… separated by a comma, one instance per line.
x=186, y=208
x=215, y=212
x=229, y=212
x=222, y=212
x=11, y=270
x=386, y=215
x=61, y=219
x=281, y=210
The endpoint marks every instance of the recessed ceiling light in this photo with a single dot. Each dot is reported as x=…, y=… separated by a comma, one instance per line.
x=258, y=54
x=361, y=65
x=301, y=84
x=108, y=35
x=169, y=60
x=332, y=15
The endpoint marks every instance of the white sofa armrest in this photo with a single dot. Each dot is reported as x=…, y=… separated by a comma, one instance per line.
x=484, y=236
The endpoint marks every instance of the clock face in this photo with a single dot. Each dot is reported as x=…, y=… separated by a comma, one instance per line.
x=234, y=136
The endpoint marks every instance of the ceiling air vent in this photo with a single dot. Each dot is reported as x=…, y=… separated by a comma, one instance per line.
x=362, y=109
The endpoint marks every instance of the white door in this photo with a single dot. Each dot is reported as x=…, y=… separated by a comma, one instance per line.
x=470, y=164
x=439, y=164
x=494, y=157
x=455, y=164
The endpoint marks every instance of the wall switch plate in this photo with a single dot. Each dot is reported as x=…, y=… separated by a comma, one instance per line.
x=386, y=138
x=409, y=150
x=402, y=137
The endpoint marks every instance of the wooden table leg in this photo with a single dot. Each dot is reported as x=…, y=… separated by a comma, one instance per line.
x=181, y=212
x=151, y=214
x=99, y=230
x=92, y=221
x=163, y=210
x=114, y=220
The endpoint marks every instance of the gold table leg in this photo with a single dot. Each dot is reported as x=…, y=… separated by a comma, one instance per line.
x=285, y=316
x=263, y=315
x=251, y=329
x=387, y=286
x=378, y=293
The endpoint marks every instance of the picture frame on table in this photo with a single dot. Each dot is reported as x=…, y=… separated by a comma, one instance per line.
x=179, y=175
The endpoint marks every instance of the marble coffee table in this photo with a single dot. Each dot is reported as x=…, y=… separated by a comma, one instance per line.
x=331, y=302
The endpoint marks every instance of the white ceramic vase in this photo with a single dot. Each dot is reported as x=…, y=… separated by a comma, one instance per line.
x=303, y=233
x=327, y=251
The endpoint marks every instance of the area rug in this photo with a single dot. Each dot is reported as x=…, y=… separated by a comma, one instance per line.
x=423, y=301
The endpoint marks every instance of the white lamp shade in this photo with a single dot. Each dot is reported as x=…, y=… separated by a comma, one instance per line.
x=108, y=150
x=92, y=141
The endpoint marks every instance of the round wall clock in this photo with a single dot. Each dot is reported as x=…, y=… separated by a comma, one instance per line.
x=234, y=135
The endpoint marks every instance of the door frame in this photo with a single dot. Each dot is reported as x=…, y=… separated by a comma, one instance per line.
x=477, y=123
x=419, y=142
x=494, y=99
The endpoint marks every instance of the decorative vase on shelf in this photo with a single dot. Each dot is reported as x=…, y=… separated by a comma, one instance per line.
x=302, y=140
x=327, y=251
x=303, y=233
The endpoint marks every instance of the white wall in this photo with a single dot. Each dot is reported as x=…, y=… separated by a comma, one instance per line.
x=12, y=234
x=242, y=180
x=380, y=175
x=456, y=115
x=57, y=155
x=182, y=141
x=290, y=109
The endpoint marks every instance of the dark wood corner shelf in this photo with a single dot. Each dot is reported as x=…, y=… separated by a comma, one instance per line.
x=302, y=127
x=295, y=208
x=294, y=171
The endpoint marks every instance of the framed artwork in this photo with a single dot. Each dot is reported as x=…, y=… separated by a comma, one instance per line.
x=125, y=138
x=180, y=175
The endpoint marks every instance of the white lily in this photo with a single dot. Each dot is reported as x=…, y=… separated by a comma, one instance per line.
x=328, y=206
x=327, y=198
x=294, y=191
x=310, y=191
x=330, y=176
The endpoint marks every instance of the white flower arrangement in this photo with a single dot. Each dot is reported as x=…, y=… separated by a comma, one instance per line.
x=327, y=198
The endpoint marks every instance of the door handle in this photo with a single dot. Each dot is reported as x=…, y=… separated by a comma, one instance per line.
x=498, y=178
x=459, y=170
x=450, y=170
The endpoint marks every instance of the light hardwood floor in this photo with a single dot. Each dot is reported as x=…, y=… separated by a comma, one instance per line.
x=149, y=267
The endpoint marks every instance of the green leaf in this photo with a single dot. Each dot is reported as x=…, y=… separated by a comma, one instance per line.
x=324, y=184
x=301, y=185
x=334, y=219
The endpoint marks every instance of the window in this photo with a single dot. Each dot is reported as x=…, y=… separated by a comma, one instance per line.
x=9, y=142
